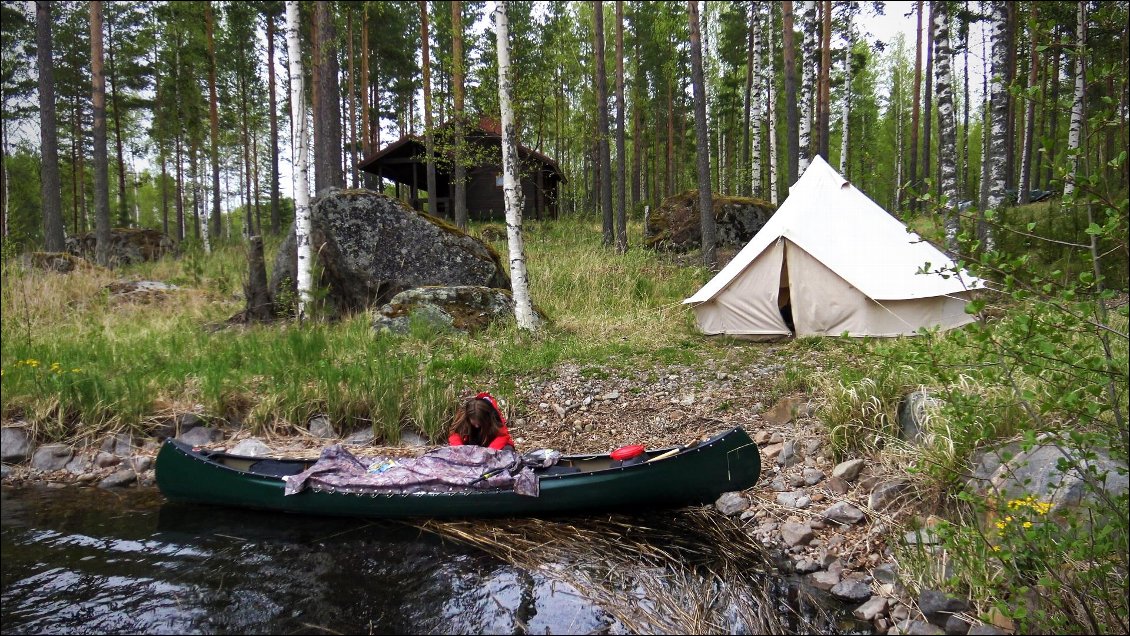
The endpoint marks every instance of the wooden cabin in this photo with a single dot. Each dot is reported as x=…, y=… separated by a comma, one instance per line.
x=403, y=163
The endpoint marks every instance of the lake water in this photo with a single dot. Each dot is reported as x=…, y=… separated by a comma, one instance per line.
x=89, y=560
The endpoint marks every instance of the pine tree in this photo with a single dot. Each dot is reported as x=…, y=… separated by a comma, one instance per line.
x=53, y=231
x=705, y=197
x=101, y=170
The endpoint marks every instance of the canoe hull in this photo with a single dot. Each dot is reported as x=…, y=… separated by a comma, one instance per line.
x=696, y=475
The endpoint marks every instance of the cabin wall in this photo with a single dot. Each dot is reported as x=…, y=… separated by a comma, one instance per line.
x=485, y=199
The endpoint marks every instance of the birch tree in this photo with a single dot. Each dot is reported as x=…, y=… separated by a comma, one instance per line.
x=998, y=135
x=807, y=83
x=947, y=127
x=302, y=221
x=524, y=313
x=845, y=113
x=621, y=194
x=916, y=109
x=1075, y=132
x=792, y=136
x=604, y=155
x=756, y=76
x=705, y=196
x=101, y=169
x=771, y=97
x=53, y=235
x=429, y=147
x=1030, y=108
x=213, y=113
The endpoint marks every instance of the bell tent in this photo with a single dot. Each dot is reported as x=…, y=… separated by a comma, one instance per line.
x=832, y=262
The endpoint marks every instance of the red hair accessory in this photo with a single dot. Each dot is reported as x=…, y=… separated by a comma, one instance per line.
x=490, y=398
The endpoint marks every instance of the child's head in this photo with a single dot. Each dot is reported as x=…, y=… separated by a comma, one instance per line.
x=478, y=420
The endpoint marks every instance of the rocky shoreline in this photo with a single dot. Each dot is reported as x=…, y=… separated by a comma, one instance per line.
x=831, y=527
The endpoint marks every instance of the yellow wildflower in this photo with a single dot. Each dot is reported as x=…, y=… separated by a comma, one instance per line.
x=1027, y=524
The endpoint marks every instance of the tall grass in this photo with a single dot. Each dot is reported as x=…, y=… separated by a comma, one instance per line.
x=78, y=362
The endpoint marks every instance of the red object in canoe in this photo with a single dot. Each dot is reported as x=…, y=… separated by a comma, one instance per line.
x=626, y=452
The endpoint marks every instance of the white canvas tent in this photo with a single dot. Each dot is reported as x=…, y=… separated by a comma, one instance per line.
x=840, y=264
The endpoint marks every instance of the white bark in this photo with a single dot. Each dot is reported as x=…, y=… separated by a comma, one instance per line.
x=772, y=98
x=302, y=222
x=998, y=104
x=524, y=313
x=808, y=57
x=847, y=101
x=755, y=105
x=947, y=125
x=1075, y=132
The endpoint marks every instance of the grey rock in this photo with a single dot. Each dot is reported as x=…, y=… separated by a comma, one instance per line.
x=462, y=308
x=79, y=465
x=141, y=464
x=674, y=225
x=838, y=486
x=886, y=493
x=778, y=484
x=914, y=413
x=985, y=463
x=796, y=533
x=731, y=503
x=361, y=436
x=795, y=499
x=899, y=612
x=921, y=536
x=933, y=604
x=776, y=438
x=824, y=580
x=813, y=476
x=955, y=625
x=105, y=460
x=843, y=513
x=770, y=452
x=812, y=447
x=51, y=457
x=875, y=607
x=5, y=470
x=120, y=478
x=887, y=573
x=762, y=437
x=788, y=455
x=320, y=427
x=251, y=448
x=806, y=566
x=918, y=628
x=371, y=247
x=120, y=444
x=851, y=590
x=15, y=445
x=127, y=246
x=1037, y=472
x=200, y=436
x=848, y=470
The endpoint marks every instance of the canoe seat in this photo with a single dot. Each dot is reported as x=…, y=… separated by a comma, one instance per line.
x=276, y=468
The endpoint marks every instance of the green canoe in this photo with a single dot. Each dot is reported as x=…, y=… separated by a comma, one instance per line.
x=670, y=477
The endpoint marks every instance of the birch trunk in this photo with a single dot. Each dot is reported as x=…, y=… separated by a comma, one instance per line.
x=928, y=103
x=793, y=134
x=757, y=77
x=998, y=139
x=213, y=112
x=1075, y=132
x=302, y=222
x=429, y=140
x=845, y=114
x=621, y=194
x=916, y=112
x=705, y=197
x=524, y=313
x=771, y=96
x=101, y=169
x=807, y=83
x=53, y=234
x=276, y=219
x=604, y=154
x=1029, y=110
x=947, y=128
x=750, y=95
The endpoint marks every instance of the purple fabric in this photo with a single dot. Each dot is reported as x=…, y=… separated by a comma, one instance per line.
x=446, y=469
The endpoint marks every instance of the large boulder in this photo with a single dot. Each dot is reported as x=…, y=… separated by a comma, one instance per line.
x=463, y=308
x=1061, y=477
x=677, y=225
x=371, y=247
x=127, y=245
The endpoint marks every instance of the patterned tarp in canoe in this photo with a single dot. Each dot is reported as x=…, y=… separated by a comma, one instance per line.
x=445, y=469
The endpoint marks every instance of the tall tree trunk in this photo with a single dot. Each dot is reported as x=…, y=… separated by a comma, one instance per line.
x=460, y=172
x=123, y=205
x=793, y=133
x=250, y=226
x=669, y=170
x=101, y=170
x=998, y=139
x=928, y=102
x=916, y=111
x=366, y=87
x=637, y=128
x=524, y=313
x=705, y=197
x=1012, y=12
x=749, y=95
x=327, y=120
x=1053, y=133
x=302, y=221
x=1030, y=109
x=276, y=212
x=771, y=96
x=964, y=186
x=807, y=85
x=352, y=113
x=425, y=50
x=947, y=129
x=845, y=113
x=602, y=123
x=180, y=188
x=621, y=193
x=1075, y=132
x=50, y=186
x=825, y=116
x=755, y=83
x=213, y=117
